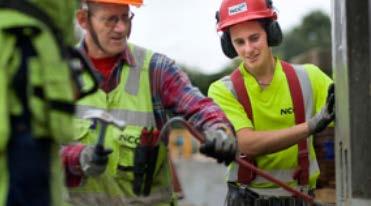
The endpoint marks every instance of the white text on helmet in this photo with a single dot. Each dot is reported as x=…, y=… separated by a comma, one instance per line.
x=233, y=10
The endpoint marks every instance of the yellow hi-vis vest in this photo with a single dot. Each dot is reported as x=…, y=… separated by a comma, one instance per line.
x=286, y=170
x=129, y=101
x=49, y=71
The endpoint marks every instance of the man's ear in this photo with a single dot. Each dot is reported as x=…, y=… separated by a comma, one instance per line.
x=82, y=18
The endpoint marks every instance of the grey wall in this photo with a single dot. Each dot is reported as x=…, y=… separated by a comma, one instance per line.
x=351, y=67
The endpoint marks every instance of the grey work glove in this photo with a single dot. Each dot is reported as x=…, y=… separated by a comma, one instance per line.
x=93, y=160
x=327, y=114
x=219, y=145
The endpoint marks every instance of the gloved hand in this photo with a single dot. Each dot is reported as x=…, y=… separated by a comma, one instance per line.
x=94, y=159
x=219, y=145
x=320, y=121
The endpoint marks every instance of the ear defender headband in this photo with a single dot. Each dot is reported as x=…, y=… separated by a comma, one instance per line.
x=271, y=27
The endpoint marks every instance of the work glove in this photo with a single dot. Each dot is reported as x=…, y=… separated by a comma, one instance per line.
x=94, y=159
x=327, y=114
x=219, y=145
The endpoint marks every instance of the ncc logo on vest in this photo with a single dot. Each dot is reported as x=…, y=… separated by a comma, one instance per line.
x=131, y=139
x=289, y=110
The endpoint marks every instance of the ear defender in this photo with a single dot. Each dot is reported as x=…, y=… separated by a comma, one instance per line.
x=273, y=29
x=274, y=33
x=274, y=38
x=270, y=25
x=227, y=46
x=225, y=42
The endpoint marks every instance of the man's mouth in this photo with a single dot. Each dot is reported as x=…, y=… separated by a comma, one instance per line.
x=117, y=38
x=252, y=58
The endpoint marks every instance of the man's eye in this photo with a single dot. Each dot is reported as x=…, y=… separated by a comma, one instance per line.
x=239, y=42
x=112, y=19
x=254, y=38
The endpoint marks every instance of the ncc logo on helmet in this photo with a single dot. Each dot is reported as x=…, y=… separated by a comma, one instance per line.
x=233, y=10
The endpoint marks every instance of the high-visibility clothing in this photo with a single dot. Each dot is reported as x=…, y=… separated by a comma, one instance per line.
x=272, y=109
x=62, y=14
x=49, y=75
x=48, y=82
x=129, y=101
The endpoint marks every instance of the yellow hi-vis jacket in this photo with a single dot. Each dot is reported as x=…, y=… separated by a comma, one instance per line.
x=129, y=101
x=48, y=72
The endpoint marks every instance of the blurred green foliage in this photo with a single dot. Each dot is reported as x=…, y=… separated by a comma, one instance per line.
x=203, y=81
x=313, y=32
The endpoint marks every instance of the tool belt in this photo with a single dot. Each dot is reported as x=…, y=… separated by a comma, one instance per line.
x=242, y=196
x=145, y=160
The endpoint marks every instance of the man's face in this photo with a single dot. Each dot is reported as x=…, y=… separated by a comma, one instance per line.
x=250, y=42
x=111, y=25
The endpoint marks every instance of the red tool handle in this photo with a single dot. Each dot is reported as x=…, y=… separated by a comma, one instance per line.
x=275, y=181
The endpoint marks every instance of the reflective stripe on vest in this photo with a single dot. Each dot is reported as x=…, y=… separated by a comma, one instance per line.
x=284, y=175
x=97, y=199
x=130, y=101
x=302, y=172
x=131, y=81
x=130, y=117
x=132, y=86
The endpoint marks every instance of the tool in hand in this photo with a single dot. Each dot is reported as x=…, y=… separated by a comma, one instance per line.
x=102, y=119
x=201, y=138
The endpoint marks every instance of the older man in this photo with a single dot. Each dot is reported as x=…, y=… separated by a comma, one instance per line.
x=143, y=88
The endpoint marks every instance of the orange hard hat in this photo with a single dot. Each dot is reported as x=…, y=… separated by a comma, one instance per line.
x=236, y=11
x=127, y=2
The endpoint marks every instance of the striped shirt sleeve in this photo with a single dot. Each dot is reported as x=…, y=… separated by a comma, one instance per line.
x=174, y=95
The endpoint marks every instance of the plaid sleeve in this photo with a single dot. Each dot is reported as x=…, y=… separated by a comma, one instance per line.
x=174, y=95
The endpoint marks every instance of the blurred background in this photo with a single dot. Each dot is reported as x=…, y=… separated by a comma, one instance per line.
x=185, y=30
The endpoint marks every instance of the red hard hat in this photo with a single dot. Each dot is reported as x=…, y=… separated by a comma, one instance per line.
x=236, y=11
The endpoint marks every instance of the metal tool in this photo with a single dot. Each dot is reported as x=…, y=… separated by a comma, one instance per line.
x=102, y=119
x=308, y=199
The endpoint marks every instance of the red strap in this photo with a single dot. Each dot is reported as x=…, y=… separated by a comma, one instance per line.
x=241, y=92
x=302, y=175
x=245, y=175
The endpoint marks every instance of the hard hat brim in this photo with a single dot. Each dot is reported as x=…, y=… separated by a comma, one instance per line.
x=223, y=25
x=122, y=2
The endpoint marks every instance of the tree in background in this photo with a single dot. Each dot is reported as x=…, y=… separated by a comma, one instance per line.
x=203, y=81
x=313, y=32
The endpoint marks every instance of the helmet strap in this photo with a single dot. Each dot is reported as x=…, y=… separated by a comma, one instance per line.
x=93, y=34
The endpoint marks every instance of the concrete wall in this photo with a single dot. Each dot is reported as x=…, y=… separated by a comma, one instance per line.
x=351, y=63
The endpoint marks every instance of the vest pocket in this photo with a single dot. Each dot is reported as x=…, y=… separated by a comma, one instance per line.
x=125, y=164
x=82, y=130
x=127, y=141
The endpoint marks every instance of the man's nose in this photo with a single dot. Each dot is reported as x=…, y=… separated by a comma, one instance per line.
x=121, y=26
x=248, y=47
